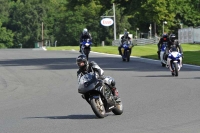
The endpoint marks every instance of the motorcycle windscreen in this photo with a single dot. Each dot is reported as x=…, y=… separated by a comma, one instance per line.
x=86, y=83
x=174, y=55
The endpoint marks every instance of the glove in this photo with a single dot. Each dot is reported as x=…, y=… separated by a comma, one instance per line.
x=182, y=56
x=101, y=77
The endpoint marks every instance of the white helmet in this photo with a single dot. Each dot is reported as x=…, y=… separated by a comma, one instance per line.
x=85, y=31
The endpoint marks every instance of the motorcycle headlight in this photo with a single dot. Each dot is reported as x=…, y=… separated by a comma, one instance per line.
x=87, y=44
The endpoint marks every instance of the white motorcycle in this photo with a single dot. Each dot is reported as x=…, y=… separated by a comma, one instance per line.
x=174, y=62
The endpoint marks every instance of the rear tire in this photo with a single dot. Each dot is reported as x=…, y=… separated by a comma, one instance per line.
x=163, y=64
x=98, y=109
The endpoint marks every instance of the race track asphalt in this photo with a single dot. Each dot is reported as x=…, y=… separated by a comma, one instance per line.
x=38, y=94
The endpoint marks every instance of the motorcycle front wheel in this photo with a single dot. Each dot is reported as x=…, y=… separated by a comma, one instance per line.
x=87, y=51
x=175, y=68
x=98, y=108
x=128, y=55
x=118, y=110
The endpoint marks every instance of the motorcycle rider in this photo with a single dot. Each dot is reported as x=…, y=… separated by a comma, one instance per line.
x=174, y=45
x=161, y=41
x=84, y=36
x=86, y=67
x=124, y=38
x=174, y=42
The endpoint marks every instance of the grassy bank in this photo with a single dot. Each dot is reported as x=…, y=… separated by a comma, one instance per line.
x=191, y=51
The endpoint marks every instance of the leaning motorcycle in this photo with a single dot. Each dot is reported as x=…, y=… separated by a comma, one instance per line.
x=85, y=48
x=163, y=54
x=175, y=62
x=126, y=50
x=99, y=95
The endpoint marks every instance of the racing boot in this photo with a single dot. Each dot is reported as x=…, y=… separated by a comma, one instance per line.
x=158, y=52
x=116, y=94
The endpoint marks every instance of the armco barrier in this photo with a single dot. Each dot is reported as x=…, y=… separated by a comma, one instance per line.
x=140, y=41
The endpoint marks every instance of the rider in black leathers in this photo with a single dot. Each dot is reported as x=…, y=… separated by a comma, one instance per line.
x=125, y=37
x=174, y=42
x=84, y=36
x=86, y=67
x=161, y=41
x=170, y=42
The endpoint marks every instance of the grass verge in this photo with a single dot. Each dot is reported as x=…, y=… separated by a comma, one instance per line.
x=191, y=51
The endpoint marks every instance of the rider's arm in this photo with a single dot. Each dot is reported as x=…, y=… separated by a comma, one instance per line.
x=180, y=47
x=96, y=68
x=159, y=44
x=81, y=38
x=90, y=37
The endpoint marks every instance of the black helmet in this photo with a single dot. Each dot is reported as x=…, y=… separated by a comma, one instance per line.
x=81, y=59
x=172, y=37
x=85, y=31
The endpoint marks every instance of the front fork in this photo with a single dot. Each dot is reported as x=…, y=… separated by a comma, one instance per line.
x=169, y=63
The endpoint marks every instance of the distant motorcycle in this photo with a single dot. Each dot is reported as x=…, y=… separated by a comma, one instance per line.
x=85, y=48
x=175, y=59
x=99, y=95
x=163, y=54
x=126, y=50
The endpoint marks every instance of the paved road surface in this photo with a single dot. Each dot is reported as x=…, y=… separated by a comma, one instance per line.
x=38, y=94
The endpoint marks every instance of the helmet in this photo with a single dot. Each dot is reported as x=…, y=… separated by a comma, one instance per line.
x=125, y=33
x=164, y=35
x=172, y=37
x=85, y=31
x=81, y=59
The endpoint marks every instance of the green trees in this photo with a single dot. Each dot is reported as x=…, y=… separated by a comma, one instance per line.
x=21, y=20
x=6, y=37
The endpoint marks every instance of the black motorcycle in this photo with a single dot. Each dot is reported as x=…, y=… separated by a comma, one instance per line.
x=99, y=95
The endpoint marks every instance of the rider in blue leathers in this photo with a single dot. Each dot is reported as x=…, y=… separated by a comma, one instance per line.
x=125, y=37
x=85, y=35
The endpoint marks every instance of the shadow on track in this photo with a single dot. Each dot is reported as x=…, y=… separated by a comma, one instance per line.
x=107, y=63
x=67, y=117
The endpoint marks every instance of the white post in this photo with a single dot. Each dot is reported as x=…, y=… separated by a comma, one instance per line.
x=164, y=25
x=136, y=32
x=42, y=34
x=114, y=21
x=150, y=30
x=163, y=28
x=55, y=43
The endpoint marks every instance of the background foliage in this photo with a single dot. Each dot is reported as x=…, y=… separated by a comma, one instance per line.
x=21, y=20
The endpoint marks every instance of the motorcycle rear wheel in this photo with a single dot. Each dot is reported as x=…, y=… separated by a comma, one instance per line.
x=98, y=109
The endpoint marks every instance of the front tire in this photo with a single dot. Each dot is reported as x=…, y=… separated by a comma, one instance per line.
x=128, y=56
x=97, y=108
x=87, y=51
x=175, y=69
x=118, y=110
